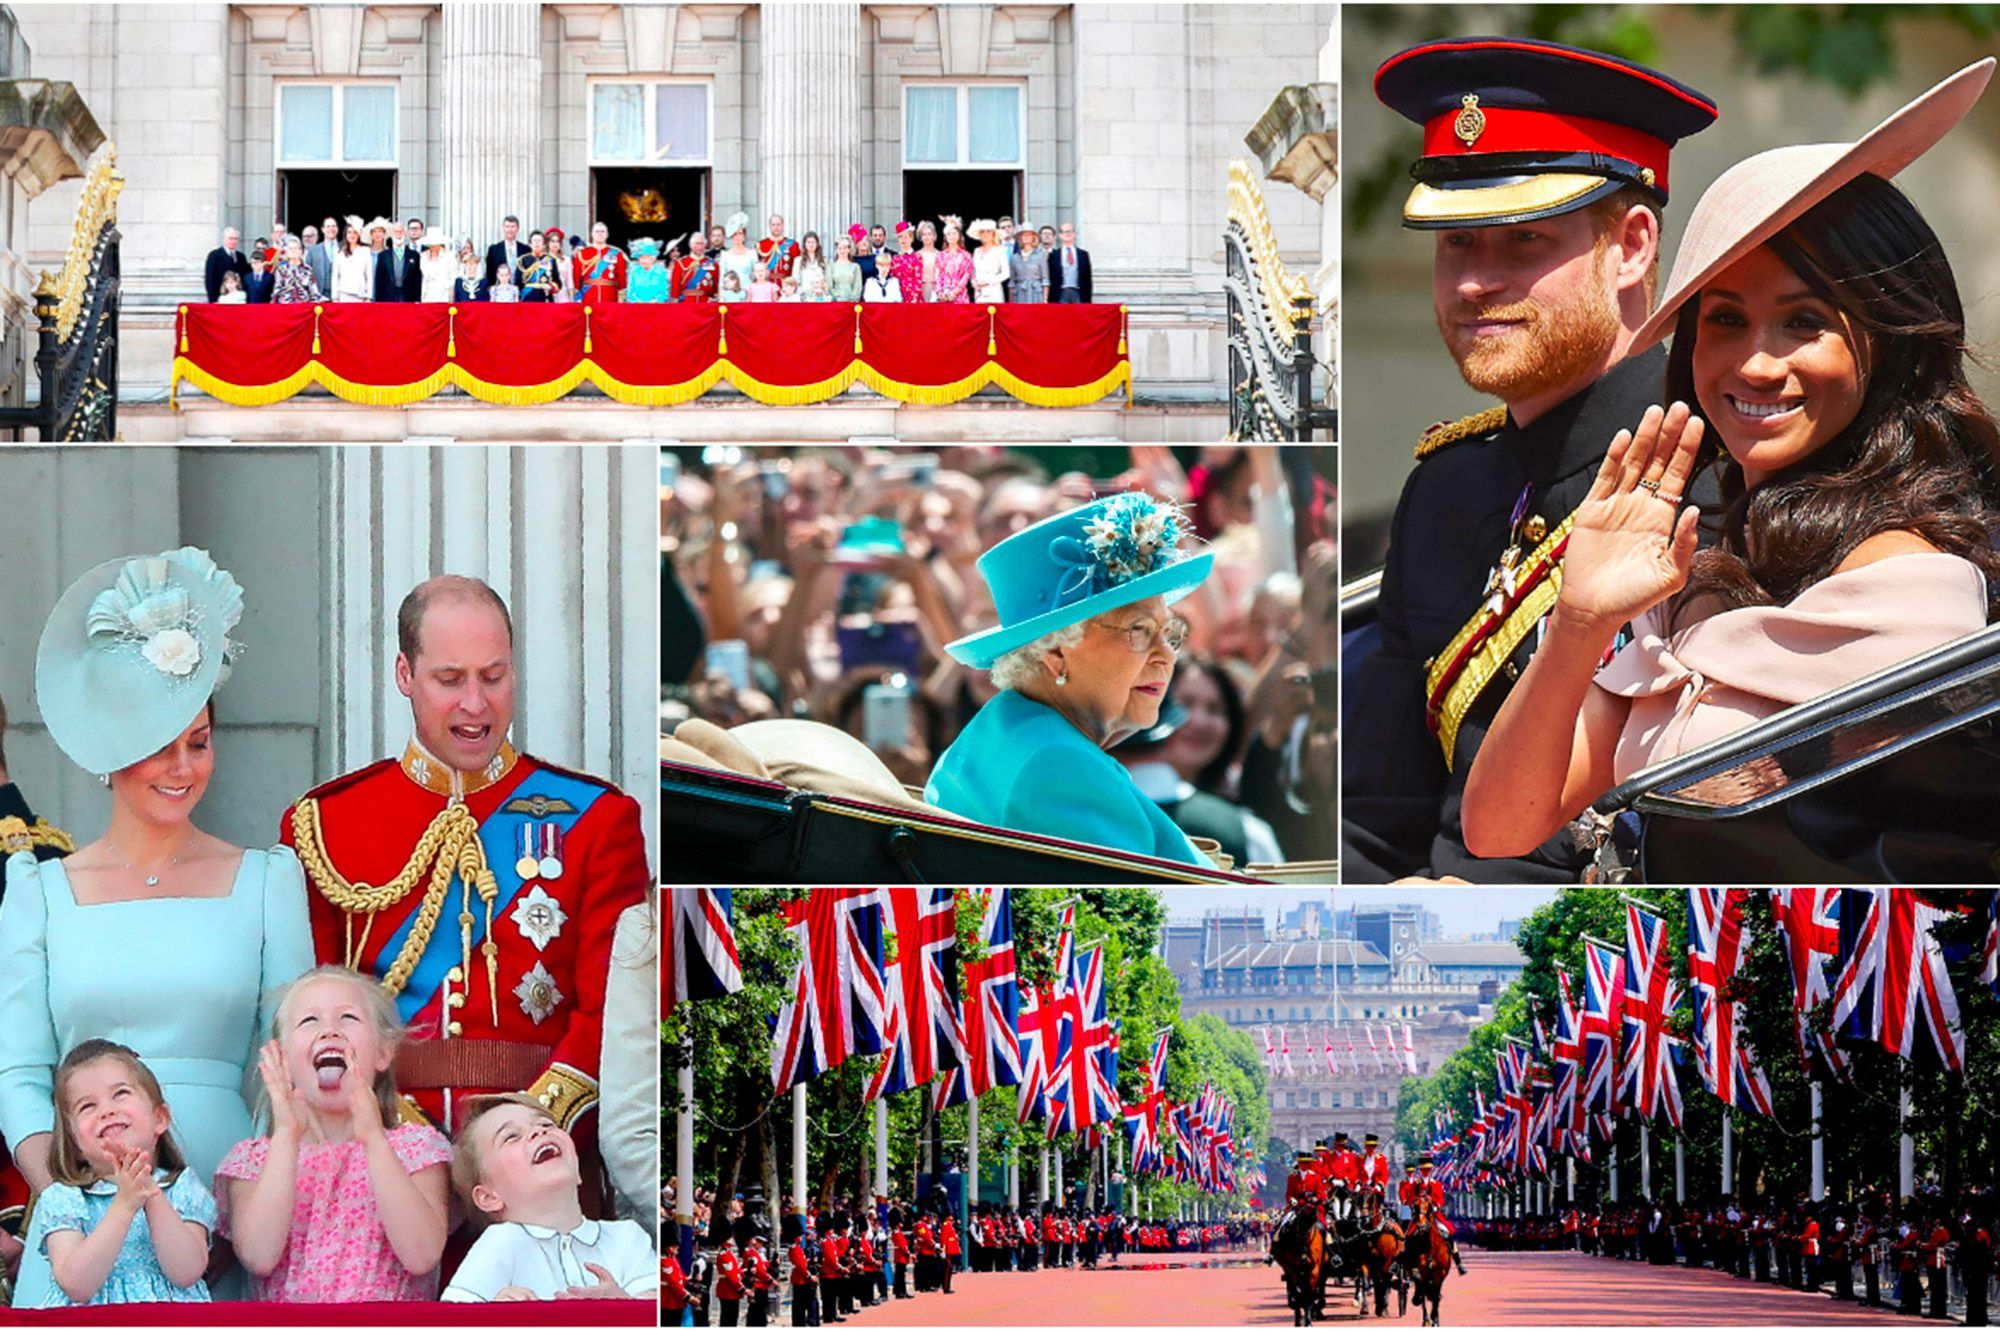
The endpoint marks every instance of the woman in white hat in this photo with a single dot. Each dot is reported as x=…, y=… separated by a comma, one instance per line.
x=989, y=263
x=1819, y=341
x=157, y=935
x=354, y=265
x=739, y=259
x=437, y=265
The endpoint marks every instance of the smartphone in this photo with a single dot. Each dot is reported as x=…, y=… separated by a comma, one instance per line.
x=776, y=480
x=885, y=716
x=871, y=642
x=731, y=656
x=670, y=470
x=916, y=468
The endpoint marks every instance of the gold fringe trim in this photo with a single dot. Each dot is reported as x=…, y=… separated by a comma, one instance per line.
x=1465, y=427
x=644, y=395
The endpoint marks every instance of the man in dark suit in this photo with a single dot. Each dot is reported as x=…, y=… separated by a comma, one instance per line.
x=262, y=281
x=1069, y=270
x=227, y=257
x=507, y=251
x=398, y=267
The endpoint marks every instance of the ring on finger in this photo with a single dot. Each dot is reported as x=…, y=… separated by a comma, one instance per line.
x=1650, y=483
x=1674, y=500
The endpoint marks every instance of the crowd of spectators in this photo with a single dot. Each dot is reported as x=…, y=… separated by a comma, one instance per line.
x=823, y=583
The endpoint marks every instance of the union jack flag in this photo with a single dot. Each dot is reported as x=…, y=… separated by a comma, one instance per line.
x=702, y=961
x=1716, y=948
x=1808, y=921
x=1037, y=1032
x=893, y=1075
x=839, y=1004
x=1142, y=1119
x=1650, y=999
x=925, y=921
x=1078, y=1096
x=1893, y=985
x=1332, y=1062
x=1603, y=1015
x=1567, y=1056
x=993, y=1010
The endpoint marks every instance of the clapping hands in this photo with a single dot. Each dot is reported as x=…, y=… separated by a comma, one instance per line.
x=134, y=1178
x=289, y=1112
x=1632, y=543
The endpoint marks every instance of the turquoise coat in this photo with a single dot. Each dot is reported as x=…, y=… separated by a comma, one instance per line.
x=1022, y=765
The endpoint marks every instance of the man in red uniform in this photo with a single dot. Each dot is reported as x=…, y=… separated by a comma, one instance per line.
x=1303, y=1184
x=927, y=1254
x=673, y=1291
x=1374, y=1166
x=693, y=276
x=760, y=1284
x=1424, y=1185
x=948, y=1240
x=599, y=268
x=777, y=252
x=729, y=1282
x=899, y=1249
x=804, y=1257
x=480, y=885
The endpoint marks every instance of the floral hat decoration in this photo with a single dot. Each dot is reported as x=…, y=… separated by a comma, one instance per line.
x=132, y=652
x=1063, y=570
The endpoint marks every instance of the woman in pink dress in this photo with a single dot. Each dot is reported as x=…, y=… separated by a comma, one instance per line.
x=907, y=268
x=1820, y=337
x=954, y=267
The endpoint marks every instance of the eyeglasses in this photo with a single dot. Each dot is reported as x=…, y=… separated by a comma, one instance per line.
x=1142, y=635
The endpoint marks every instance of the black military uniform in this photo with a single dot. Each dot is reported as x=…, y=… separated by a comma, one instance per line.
x=1515, y=131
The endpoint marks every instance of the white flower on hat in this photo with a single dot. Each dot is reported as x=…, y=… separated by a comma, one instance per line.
x=173, y=652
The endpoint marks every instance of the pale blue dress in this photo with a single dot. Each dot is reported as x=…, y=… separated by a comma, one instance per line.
x=185, y=981
x=136, y=1277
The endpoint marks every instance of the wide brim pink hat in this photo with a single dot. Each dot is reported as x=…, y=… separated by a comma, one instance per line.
x=1762, y=195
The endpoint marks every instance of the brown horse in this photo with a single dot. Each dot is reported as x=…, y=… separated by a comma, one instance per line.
x=1299, y=1246
x=1428, y=1258
x=1379, y=1244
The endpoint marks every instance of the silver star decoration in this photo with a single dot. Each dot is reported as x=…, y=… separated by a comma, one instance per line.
x=538, y=994
x=539, y=917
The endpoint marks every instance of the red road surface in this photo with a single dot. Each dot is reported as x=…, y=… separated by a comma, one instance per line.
x=1501, y=1289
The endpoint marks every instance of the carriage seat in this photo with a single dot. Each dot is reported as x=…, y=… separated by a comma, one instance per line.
x=806, y=755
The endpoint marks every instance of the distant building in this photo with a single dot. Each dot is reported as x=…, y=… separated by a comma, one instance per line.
x=1308, y=992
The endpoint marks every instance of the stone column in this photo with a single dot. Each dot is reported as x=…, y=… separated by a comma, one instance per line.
x=490, y=122
x=809, y=154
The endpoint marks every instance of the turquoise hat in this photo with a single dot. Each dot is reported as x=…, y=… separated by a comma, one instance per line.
x=645, y=247
x=131, y=654
x=1063, y=570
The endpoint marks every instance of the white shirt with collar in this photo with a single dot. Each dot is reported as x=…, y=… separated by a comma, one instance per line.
x=546, y=1261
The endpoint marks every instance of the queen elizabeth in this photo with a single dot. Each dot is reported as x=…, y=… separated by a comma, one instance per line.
x=1082, y=655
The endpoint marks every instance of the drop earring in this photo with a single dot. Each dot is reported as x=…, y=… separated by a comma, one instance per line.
x=1062, y=679
x=104, y=780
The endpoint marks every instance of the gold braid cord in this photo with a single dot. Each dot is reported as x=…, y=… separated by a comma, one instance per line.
x=450, y=846
x=1465, y=427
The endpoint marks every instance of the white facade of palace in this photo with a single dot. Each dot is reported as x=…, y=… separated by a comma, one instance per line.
x=325, y=543
x=1121, y=118
x=1386, y=974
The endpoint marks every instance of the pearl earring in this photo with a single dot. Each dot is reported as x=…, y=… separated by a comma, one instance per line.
x=1062, y=679
x=104, y=780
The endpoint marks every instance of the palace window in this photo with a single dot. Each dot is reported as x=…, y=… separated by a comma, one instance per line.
x=964, y=126
x=336, y=124
x=636, y=122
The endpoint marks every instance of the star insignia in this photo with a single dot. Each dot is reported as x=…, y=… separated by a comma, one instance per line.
x=538, y=994
x=539, y=917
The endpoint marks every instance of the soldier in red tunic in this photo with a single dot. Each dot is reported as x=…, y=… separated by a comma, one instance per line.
x=1424, y=1185
x=481, y=885
x=729, y=1282
x=693, y=276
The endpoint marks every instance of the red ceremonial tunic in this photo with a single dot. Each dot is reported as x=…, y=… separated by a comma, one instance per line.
x=1375, y=1170
x=681, y=282
x=535, y=1021
x=950, y=1238
x=599, y=288
x=1346, y=1167
x=728, y=1276
x=899, y=1244
x=673, y=1285
x=926, y=1242
x=787, y=255
x=801, y=1274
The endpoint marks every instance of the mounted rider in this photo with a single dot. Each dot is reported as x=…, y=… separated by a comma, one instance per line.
x=1424, y=1185
x=1341, y=1169
x=1374, y=1168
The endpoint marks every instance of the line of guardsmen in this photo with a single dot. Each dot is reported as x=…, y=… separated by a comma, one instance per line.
x=1908, y=1252
x=845, y=1260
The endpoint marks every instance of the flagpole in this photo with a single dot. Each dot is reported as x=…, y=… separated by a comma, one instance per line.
x=799, y=1149
x=1906, y=1155
x=1611, y=1151
x=1680, y=1171
x=882, y=1145
x=1645, y=1161
x=1042, y=1181
x=971, y=1149
x=1728, y=1151
x=1014, y=1176
x=1818, y=1145
x=684, y=1156
x=1061, y=1194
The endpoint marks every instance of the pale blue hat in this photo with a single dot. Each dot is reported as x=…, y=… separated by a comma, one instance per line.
x=1063, y=570
x=132, y=652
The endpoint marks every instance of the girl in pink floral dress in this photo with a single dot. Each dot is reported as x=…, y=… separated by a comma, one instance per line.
x=341, y=1203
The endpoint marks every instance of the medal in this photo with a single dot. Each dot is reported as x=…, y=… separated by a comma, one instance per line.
x=551, y=865
x=527, y=866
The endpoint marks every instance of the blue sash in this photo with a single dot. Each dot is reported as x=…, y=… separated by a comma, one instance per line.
x=567, y=799
x=696, y=279
x=778, y=253
x=603, y=262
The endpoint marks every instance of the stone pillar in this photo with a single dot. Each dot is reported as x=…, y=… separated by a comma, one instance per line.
x=490, y=132
x=809, y=123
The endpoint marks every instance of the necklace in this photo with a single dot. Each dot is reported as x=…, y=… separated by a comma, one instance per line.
x=152, y=879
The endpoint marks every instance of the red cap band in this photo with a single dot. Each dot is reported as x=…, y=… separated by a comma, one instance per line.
x=1507, y=130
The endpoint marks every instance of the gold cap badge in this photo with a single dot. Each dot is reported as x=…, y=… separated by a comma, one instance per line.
x=1471, y=122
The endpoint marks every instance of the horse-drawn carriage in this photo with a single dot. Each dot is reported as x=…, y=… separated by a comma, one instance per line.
x=1354, y=1240
x=1887, y=780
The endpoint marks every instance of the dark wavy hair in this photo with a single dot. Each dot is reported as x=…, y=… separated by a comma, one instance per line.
x=1922, y=454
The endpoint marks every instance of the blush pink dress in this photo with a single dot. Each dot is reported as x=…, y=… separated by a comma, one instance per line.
x=338, y=1252
x=1737, y=667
